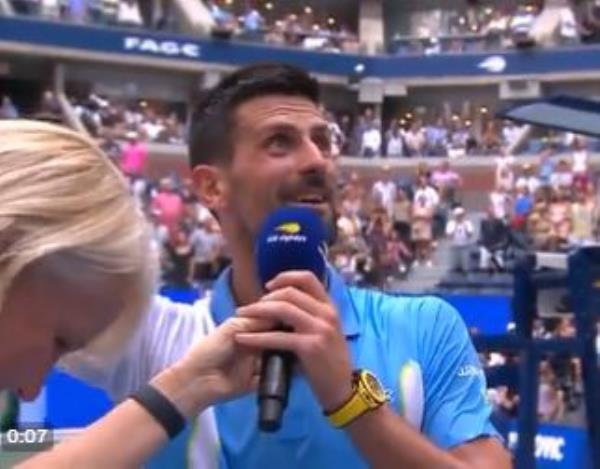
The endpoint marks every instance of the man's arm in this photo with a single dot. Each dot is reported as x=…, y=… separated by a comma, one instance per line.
x=455, y=420
x=387, y=441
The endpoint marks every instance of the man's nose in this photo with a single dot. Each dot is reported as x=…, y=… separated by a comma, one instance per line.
x=313, y=158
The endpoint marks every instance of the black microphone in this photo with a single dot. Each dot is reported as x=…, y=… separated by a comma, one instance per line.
x=292, y=238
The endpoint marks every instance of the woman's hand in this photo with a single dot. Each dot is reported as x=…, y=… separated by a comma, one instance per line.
x=214, y=369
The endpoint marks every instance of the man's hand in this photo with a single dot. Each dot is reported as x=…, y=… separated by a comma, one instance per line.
x=297, y=299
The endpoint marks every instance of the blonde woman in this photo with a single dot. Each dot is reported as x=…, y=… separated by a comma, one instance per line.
x=77, y=268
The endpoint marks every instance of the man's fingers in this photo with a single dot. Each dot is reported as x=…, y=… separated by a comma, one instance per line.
x=279, y=312
x=275, y=340
x=301, y=279
x=249, y=324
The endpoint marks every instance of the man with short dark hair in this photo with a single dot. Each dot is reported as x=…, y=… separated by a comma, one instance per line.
x=382, y=381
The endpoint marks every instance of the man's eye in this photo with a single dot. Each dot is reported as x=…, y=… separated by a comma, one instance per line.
x=323, y=142
x=279, y=142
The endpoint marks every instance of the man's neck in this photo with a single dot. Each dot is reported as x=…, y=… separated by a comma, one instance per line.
x=245, y=287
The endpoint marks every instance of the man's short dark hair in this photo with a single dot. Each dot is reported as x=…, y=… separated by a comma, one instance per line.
x=212, y=126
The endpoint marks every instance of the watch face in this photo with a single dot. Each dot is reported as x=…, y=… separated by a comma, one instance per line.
x=374, y=386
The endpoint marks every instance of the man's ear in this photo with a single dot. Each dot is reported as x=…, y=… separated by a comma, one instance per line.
x=210, y=185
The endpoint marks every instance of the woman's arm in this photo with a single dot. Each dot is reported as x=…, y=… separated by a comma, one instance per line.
x=102, y=444
x=214, y=369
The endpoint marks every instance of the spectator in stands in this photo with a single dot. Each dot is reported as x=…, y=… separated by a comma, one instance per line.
x=579, y=163
x=49, y=108
x=447, y=182
x=521, y=24
x=414, y=139
x=522, y=208
x=349, y=227
x=384, y=191
x=179, y=267
x=493, y=240
x=500, y=203
x=511, y=132
x=425, y=203
x=546, y=167
x=208, y=243
x=490, y=140
x=436, y=138
x=560, y=218
x=7, y=109
x=168, y=207
x=460, y=231
x=134, y=156
x=562, y=178
x=371, y=140
x=528, y=179
x=394, y=140
x=550, y=398
x=253, y=23
x=401, y=216
x=353, y=195
x=504, y=176
x=338, y=138
x=582, y=215
x=538, y=223
x=129, y=13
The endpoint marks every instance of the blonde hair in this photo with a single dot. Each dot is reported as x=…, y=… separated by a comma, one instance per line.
x=59, y=194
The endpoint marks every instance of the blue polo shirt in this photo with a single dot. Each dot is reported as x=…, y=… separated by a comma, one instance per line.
x=417, y=346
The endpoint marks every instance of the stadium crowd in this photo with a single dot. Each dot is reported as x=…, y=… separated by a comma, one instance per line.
x=484, y=26
x=476, y=28
x=132, y=119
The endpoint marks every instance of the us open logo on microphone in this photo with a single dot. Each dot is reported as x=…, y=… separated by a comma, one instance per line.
x=290, y=232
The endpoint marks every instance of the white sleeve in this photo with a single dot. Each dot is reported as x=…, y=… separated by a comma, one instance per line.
x=166, y=333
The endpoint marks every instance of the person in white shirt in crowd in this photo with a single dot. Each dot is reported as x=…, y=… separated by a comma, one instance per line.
x=562, y=179
x=208, y=243
x=505, y=175
x=579, y=162
x=460, y=231
x=500, y=202
x=338, y=139
x=384, y=191
x=349, y=227
x=528, y=179
x=394, y=140
x=510, y=134
x=7, y=109
x=520, y=25
x=425, y=202
x=371, y=140
x=129, y=13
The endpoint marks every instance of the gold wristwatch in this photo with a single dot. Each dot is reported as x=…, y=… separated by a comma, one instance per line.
x=368, y=394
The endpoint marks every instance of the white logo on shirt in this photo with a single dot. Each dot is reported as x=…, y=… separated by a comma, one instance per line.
x=469, y=370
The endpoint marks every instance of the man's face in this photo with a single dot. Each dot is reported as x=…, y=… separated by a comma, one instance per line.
x=281, y=156
x=45, y=315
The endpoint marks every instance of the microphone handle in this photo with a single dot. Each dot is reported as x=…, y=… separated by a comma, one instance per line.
x=273, y=388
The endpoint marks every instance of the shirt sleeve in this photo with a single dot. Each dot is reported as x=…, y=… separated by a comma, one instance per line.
x=456, y=407
x=165, y=334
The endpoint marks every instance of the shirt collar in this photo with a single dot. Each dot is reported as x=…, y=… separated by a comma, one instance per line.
x=222, y=304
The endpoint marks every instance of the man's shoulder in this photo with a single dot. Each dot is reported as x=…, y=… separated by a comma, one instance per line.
x=402, y=312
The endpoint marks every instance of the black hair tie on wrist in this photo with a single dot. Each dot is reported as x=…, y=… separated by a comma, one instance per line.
x=161, y=408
